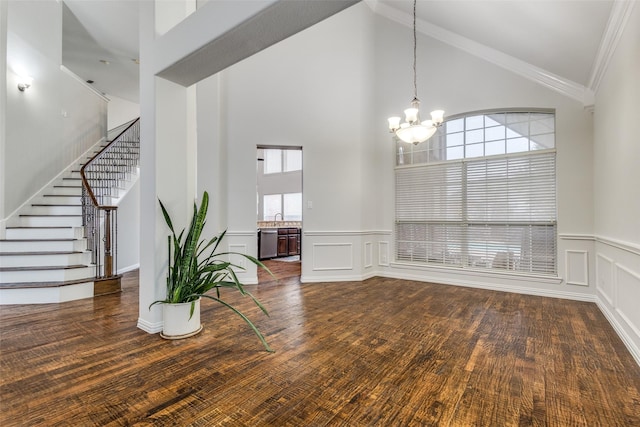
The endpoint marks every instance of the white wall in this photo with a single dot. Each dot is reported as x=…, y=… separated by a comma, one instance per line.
x=121, y=111
x=616, y=178
x=3, y=108
x=330, y=90
x=128, y=256
x=314, y=90
x=458, y=82
x=51, y=124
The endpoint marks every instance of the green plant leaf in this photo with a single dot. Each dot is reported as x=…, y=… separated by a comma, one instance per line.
x=246, y=319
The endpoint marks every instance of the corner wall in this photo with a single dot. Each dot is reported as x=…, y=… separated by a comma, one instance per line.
x=616, y=178
x=49, y=125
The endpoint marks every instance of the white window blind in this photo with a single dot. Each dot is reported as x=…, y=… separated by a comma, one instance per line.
x=493, y=212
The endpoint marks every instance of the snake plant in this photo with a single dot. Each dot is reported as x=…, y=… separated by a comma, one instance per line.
x=196, y=268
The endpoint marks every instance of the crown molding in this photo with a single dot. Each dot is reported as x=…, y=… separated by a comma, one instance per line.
x=620, y=12
x=541, y=76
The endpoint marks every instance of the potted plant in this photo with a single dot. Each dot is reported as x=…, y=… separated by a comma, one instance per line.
x=195, y=269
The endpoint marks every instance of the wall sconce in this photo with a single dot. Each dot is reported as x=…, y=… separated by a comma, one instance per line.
x=24, y=83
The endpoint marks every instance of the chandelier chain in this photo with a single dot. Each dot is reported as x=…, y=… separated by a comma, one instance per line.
x=415, y=43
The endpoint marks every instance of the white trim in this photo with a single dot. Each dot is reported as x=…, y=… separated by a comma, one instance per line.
x=620, y=12
x=383, y=254
x=619, y=244
x=494, y=287
x=128, y=268
x=545, y=78
x=368, y=255
x=634, y=248
x=555, y=280
x=588, y=237
x=240, y=261
x=346, y=267
x=241, y=233
x=620, y=331
x=84, y=83
x=339, y=278
x=611, y=278
x=348, y=233
x=585, y=267
x=152, y=328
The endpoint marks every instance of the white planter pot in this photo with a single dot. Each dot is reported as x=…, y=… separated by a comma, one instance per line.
x=177, y=323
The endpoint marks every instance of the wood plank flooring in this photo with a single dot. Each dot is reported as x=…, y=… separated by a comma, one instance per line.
x=381, y=352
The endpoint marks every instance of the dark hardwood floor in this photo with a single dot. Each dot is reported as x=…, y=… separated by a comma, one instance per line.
x=381, y=352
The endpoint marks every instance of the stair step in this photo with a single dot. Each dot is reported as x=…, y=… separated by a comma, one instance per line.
x=43, y=259
x=43, y=245
x=62, y=199
x=25, y=285
x=62, y=190
x=27, y=220
x=47, y=292
x=44, y=233
x=46, y=273
x=55, y=209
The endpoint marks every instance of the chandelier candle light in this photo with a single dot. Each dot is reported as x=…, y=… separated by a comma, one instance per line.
x=412, y=130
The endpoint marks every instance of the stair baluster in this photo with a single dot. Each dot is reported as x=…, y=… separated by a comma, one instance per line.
x=101, y=177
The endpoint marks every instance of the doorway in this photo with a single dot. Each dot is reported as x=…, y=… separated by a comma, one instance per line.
x=279, y=210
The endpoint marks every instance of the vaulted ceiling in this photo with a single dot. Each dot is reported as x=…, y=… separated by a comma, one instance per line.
x=562, y=41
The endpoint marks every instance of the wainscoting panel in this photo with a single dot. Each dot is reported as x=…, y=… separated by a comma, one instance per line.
x=628, y=284
x=618, y=289
x=604, y=274
x=577, y=267
x=368, y=254
x=383, y=253
x=237, y=259
x=332, y=256
x=244, y=242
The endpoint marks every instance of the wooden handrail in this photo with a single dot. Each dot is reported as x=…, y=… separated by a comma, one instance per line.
x=85, y=182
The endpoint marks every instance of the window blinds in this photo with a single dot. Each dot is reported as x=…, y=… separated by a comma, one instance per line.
x=495, y=212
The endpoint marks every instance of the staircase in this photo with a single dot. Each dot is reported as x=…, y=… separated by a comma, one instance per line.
x=46, y=256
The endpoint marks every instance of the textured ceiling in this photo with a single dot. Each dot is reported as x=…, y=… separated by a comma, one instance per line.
x=562, y=37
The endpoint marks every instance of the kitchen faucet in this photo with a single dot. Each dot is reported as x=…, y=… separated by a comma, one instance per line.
x=275, y=217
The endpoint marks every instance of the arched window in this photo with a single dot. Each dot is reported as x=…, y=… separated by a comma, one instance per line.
x=480, y=194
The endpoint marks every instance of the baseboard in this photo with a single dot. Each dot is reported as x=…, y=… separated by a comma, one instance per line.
x=128, y=268
x=152, y=328
x=337, y=278
x=493, y=287
x=626, y=339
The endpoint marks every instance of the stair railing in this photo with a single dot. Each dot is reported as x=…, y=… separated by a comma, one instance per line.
x=102, y=178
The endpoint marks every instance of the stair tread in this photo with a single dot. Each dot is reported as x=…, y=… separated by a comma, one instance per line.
x=47, y=215
x=39, y=240
x=40, y=253
x=40, y=227
x=56, y=204
x=19, y=285
x=43, y=267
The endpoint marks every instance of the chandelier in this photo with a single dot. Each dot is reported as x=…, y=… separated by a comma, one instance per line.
x=413, y=130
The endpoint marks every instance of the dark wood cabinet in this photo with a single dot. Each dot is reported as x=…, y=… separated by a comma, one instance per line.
x=288, y=241
x=283, y=245
x=293, y=244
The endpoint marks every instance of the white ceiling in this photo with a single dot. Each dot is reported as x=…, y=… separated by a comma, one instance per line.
x=560, y=37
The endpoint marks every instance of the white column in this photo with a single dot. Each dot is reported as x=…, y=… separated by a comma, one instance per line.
x=167, y=168
x=3, y=109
